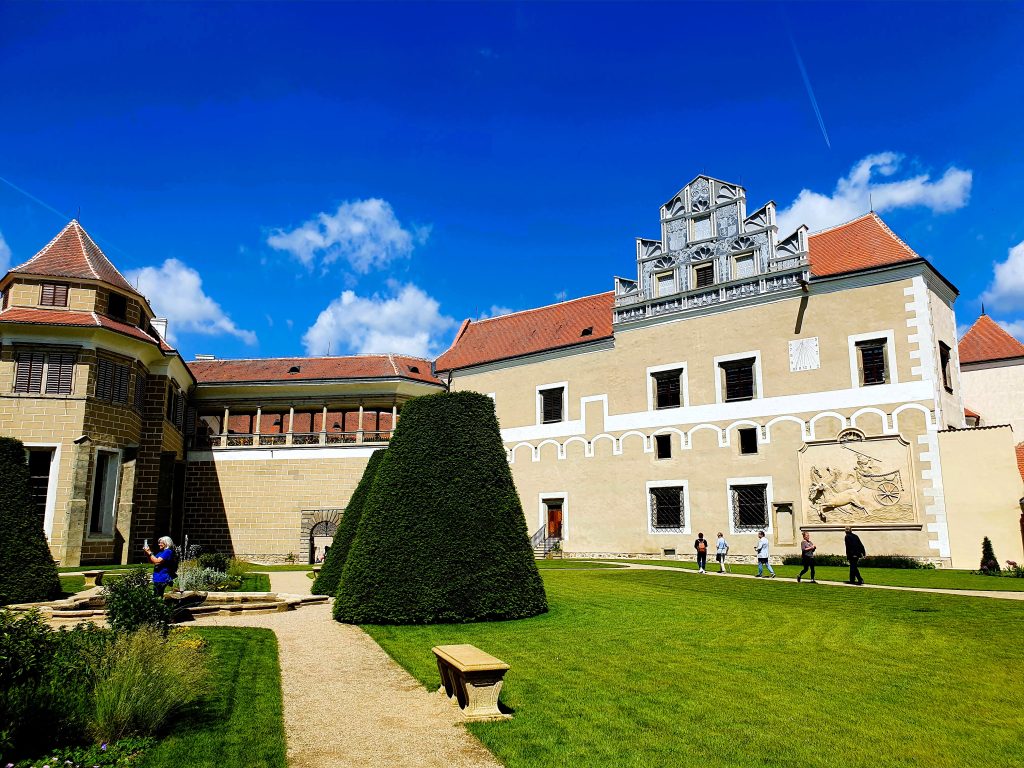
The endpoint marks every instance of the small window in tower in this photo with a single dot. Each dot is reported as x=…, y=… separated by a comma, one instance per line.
x=666, y=283
x=663, y=446
x=53, y=295
x=944, y=358
x=704, y=275
x=117, y=306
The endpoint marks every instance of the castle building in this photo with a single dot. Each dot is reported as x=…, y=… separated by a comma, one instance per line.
x=742, y=380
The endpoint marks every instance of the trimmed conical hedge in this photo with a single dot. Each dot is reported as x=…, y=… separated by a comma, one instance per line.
x=27, y=570
x=442, y=537
x=330, y=572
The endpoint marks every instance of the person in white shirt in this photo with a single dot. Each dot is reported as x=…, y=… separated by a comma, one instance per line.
x=761, y=547
x=721, y=550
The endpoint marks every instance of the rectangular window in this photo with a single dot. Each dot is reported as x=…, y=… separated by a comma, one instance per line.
x=668, y=388
x=668, y=513
x=40, y=461
x=666, y=283
x=112, y=381
x=117, y=306
x=871, y=357
x=944, y=357
x=743, y=266
x=551, y=405
x=49, y=372
x=663, y=446
x=748, y=440
x=749, y=507
x=704, y=276
x=739, y=379
x=701, y=227
x=53, y=295
x=104, y=493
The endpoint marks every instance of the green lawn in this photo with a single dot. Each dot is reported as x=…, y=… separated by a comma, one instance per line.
x=254, y=582
x=893, y=577
x=80, y=568
x=576, y=565
x=239, y=723
x=72, y=584
x=659, y=669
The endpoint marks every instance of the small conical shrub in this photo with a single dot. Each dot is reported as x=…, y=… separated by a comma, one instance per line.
x=442, y=537
x=330, y=572
x=27, y=570
x=988, y=557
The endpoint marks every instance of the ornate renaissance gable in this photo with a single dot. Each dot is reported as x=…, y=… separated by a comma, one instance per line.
x=710, y=252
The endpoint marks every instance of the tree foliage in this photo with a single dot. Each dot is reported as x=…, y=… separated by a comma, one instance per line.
x=27, y=571
x=442, y=536
x=326, y=582
x=988, y=557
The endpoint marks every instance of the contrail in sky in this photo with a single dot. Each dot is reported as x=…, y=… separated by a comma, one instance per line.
x=810, y=91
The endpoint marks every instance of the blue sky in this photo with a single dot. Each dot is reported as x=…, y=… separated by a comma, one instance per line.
x=280, y=178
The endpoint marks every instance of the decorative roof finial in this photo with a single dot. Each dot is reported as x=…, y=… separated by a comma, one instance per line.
x=983, y=308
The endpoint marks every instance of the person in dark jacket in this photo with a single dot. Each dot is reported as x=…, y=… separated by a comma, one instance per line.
x=854, y=552
x=701, y=545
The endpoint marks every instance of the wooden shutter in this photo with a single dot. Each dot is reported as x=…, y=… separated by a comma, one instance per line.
x=551, y=405
x=179, y=410
x=60, y=368
x=739, y=380
x=140, y=390
x=120, y=383
x=29, y=374
x=104, y=379
x=705, y=275
x=53, y=295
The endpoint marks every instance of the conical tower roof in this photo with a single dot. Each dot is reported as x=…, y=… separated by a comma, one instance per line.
x=72, y=253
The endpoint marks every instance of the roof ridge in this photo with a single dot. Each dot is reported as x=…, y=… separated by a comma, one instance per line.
x=85, y=251
x=391, y=359
x=44, y=249
x=844, y=224
x=312, y=357
x=538, y=309
x=88, y=258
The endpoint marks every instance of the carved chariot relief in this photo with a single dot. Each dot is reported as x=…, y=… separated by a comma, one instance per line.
x=858, y=481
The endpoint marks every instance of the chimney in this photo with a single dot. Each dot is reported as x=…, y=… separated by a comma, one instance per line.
x=160, y=326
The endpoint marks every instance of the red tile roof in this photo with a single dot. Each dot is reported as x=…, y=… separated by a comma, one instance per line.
x=72, y=253
x=1020, y=459
x=969, y=414
x=985, y=340
x=32, y=316
x=312, y=369
x=533, y=330
x=863, y=243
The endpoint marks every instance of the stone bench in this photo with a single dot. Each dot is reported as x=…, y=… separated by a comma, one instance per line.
x=473, y=678
x=93, y=578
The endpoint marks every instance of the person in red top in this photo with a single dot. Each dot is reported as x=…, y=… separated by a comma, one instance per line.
x=701, y=545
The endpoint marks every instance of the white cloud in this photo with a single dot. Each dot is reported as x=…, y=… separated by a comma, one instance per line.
x=1013, y=327
x=365, y=233
x=495, y=311
x=176, y=292
x=1006, y=291
x=5, y=255
x=855, y=193
x=408, y=322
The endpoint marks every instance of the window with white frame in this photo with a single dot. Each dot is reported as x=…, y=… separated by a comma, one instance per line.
x=738, y=379
x=743, y=266
x=668, y=386
x=104, y=492
x=666, y=503
x=871, y=362
x=703, y=275
x=748, y=440
x=749, y=503
x=552, y=404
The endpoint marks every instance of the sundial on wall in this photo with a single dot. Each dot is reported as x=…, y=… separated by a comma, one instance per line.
x=803, y=354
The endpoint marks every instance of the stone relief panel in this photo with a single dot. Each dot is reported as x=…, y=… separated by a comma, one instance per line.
x=676, y=231
x=728, y=221
x=700, y=195
x=858, y=482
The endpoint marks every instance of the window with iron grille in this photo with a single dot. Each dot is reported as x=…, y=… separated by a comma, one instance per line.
x=668, y=388
x=49, y=372
x=551, y=405
x=944, y=356
x=704, y=275
x=668, y=513
x=739, y=379
x=53, y=295
x=873, y=369
x=749, y=507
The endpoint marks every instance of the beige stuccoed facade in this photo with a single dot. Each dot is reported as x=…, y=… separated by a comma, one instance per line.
x=995, y=389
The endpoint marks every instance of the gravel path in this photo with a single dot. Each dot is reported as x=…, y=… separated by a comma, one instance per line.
x=347, y=703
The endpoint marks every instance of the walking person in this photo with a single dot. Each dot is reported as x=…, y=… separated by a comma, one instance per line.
x=701, y=545
x=854, y=552
x=761, y=548
x=721, y=551
x=166, y=562
x=807, y=548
